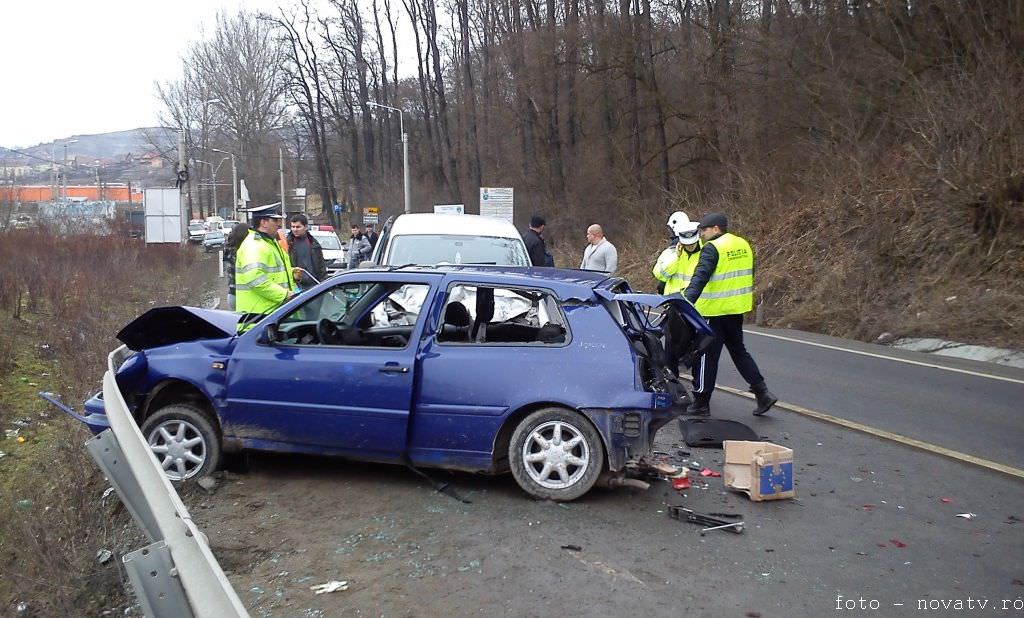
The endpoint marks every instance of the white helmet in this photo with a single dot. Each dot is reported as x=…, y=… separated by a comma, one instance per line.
x=683, y=228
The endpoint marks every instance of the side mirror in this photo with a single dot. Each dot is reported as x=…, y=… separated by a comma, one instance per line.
x=270, y=334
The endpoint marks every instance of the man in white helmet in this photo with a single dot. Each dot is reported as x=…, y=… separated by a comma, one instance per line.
x=673, y=270
x=676, y=264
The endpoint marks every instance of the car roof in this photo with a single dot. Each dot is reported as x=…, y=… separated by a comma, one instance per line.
x=460, y=225
x=564, y=282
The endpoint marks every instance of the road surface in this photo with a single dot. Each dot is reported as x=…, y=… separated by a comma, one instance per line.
x=874, y=522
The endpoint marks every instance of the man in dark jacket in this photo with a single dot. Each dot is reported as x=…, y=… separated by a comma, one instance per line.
x=305, y=252
x=722, y=289
x=535, y=245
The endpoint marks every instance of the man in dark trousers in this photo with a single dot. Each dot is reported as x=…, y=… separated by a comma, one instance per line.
x=535, y=245
x=722, y=289
x=305, y=252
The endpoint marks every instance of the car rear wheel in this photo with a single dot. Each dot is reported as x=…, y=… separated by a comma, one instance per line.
x=556, y=454
x=184, y=441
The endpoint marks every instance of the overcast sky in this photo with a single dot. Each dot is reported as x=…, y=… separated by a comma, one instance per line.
x=73, y=67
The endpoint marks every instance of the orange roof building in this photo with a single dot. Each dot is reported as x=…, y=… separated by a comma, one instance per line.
x=44, y=193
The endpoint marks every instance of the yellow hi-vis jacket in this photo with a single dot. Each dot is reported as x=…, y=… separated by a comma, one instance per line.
x=675, y=267
x=730, y=290
x=263, y=275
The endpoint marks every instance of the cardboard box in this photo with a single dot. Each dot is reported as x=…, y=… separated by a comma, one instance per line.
x=762, y=470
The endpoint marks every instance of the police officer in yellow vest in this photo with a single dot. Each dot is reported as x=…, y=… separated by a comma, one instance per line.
x=676, y=264
x=673, y=270
x=722, y=288
x=263, y=272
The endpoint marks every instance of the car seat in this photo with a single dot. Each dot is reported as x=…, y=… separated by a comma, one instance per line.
x=457, y=320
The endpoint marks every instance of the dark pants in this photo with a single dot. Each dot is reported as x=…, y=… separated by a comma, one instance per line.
x=728, y=332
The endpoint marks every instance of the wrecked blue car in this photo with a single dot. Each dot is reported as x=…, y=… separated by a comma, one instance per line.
x=558, y=376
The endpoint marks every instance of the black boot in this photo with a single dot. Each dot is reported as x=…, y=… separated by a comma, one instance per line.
x=701, y=405
x=765, y=398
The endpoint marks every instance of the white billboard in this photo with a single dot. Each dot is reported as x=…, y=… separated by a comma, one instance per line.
x=165, y=219
x=496, y=202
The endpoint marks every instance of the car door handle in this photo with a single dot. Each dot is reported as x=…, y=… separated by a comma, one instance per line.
x=392, y=368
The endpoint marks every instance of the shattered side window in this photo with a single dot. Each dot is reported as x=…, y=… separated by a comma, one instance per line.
x=483, y=314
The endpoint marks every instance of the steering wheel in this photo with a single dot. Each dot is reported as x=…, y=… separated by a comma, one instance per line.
x=327, y=331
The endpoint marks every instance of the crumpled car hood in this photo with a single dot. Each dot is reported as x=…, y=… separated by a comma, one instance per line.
x=167, y=325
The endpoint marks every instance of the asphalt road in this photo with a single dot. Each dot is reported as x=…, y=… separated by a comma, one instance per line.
x=874, y=522
x=968, y=406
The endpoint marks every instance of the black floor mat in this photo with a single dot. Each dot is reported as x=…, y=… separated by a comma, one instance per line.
x=709, y=432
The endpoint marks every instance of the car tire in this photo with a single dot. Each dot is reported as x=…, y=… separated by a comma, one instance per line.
x=184, y=440
x=542, y=460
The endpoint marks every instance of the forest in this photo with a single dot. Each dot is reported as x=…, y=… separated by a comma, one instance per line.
x=871, y=151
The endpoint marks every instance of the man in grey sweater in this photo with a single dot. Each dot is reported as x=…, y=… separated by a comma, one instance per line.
x=599, y=254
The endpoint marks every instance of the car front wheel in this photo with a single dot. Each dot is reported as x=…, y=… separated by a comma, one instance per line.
x=184, y=441
x=556, y=454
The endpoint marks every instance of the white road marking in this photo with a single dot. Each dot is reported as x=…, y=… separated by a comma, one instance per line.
x=888, y=435
x=883, y=356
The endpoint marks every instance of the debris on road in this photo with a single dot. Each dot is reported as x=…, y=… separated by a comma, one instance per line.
x=104, y=556
x=945, y=500
x=966, y=515
x=680, y=483
x=897, y=543
x=572, y=547
x=208, y=483
x=709, y=472
x=331, y=586
x=762, y=470
x=712, y=523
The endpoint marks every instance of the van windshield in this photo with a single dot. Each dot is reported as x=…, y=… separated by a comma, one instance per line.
x=457, y=249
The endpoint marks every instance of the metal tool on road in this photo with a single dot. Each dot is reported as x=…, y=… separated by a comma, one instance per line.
x=678, y=512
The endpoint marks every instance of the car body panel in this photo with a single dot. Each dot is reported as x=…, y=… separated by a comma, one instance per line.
x=432, y=403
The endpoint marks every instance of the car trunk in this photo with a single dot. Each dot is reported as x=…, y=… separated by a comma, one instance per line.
x=651, y=323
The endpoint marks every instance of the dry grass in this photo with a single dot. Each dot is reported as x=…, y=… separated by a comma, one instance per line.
x=63, y=300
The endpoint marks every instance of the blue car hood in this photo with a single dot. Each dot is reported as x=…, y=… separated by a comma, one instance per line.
x=168, y=325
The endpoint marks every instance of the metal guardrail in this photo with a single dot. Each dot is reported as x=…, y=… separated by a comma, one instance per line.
x=177, y=574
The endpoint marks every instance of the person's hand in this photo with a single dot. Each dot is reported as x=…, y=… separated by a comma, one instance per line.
x=297, y=273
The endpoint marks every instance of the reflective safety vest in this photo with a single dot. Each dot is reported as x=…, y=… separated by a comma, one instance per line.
x=675, y=267
x=730, y=290
x=263, y=276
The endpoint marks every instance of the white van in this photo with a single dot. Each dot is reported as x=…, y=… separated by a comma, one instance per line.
x=432, y=238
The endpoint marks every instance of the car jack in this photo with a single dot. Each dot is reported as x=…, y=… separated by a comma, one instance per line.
x=712, y=523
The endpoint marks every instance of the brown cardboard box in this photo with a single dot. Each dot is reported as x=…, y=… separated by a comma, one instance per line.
x=762, y=470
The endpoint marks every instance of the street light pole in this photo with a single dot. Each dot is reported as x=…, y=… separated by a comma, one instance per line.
x=405, y=151
x=234, y=179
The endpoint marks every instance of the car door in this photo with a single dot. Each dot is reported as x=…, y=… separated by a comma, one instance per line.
x=335, y=370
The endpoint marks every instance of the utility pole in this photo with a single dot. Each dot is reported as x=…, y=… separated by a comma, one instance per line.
x=53, y=174
x=280, y=170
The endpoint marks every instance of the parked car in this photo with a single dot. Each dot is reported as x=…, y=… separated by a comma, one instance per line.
x=335, y=256
x=213, y=241
x=196, y=232
x=432, y=238
x=564, y=387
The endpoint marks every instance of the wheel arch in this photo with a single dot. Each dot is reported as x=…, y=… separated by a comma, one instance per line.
x=499, y=450
x=178, y=391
